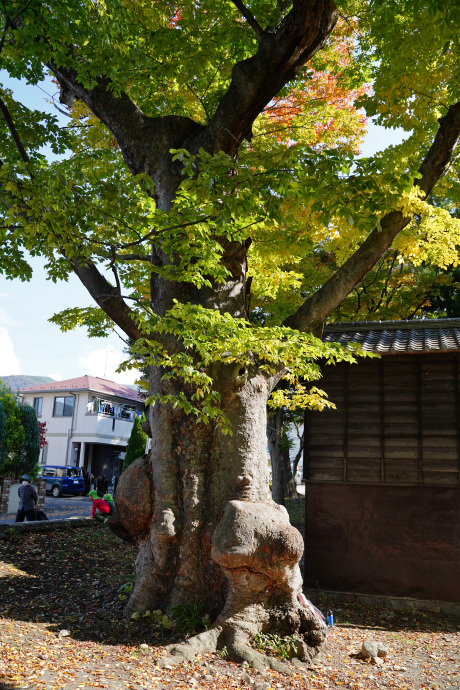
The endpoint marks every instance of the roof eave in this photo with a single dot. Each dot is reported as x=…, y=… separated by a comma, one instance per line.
x=24, y=391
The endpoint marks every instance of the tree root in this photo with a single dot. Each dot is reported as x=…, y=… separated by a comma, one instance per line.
x=238, y=649
x=204, y=643
x=258, y=552
x=233, y=637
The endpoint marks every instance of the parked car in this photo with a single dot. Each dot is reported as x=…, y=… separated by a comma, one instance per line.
x=63, y=480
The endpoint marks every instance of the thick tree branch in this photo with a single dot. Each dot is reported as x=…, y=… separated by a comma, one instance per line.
x=310, y=316
x=259, y=32
x=107, y=297
x=145, y=142
x=256, y=80
x=135, y=257
x=14, y=132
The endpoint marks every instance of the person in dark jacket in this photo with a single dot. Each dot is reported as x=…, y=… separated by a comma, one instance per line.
x=100, y=486
x=87, y=480
x=28, y=499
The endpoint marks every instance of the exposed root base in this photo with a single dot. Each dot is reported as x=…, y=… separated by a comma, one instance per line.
x=234, y=642
x=187, y=651
x=204, y=643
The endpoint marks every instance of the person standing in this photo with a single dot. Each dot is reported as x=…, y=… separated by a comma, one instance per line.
x=100, y=486
x=28, y=499
x=87, y=480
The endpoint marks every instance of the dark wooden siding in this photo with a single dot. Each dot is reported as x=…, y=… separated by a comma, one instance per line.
x=397, y=421
x=389, y=540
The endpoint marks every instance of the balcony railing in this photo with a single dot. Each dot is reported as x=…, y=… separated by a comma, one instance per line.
x=113, y=410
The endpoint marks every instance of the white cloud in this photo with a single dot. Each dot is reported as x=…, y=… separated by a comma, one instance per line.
x=6, y=319
x=9, y=362
x=56, y=377
x=103, y=363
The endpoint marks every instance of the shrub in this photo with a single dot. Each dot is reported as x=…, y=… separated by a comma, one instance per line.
x=31, y=449
x=136, y=443
x=2, y=433
x=19, y=436
x=14, y=435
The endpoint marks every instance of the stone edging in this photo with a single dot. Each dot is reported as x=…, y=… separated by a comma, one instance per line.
x=48, y=525
x=449, y=608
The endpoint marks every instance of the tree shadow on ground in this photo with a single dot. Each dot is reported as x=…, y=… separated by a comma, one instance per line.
x=80, y=580
x=357, y=615
x=77, y=581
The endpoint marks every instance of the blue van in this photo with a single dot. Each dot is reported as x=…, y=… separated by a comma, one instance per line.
x=63, y=480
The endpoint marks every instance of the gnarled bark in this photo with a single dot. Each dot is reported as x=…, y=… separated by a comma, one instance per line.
x=212, y=533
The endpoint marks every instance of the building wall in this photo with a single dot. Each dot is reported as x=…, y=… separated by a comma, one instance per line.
x=383, y=478
x=383, y=539
x=397, y=420
x=57, y=450
x=64, y=434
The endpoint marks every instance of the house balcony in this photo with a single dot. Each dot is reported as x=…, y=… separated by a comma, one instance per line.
x=94, y=424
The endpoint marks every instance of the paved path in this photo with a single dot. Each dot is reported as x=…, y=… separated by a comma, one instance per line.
x=59, y=508
x=75, y=506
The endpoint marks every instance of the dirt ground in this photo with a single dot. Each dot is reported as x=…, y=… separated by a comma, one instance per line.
x=61, y=626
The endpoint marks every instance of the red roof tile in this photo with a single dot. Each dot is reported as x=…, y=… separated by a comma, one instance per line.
x=92, y=383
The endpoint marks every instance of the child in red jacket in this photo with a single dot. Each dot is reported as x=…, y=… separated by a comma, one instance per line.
x=99, y=505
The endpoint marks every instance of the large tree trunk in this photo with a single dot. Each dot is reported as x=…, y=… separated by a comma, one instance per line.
x=200, y=510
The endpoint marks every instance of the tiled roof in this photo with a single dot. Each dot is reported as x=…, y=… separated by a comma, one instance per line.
x=393, y=337
x=85, y=383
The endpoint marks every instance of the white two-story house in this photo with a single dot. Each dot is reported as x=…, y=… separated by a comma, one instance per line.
x=89, y=421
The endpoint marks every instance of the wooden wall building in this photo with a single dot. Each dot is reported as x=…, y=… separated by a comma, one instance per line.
x=382, y=470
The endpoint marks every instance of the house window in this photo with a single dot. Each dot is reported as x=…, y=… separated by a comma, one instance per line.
x=38, y=403
x=63, y=407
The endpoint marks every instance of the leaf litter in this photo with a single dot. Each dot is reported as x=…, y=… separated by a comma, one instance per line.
x=62, y=627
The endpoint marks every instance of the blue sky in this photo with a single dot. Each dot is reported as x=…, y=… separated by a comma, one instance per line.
x=29, y=344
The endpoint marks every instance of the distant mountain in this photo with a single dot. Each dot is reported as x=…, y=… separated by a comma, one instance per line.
x=16, y=383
